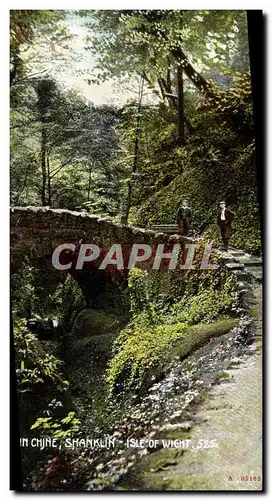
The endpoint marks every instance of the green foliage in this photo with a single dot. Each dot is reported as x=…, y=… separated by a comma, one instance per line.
x=23, y=294
x=161, y=288
x=58, y=428
x=37, y=290
x=140, y=288
x=206, y=306
x=207, y=301
x=146, y=350
x=69, y=153
x=63, y=149
x=89, y=150
x=231, y=178
x=219, y=126
x=67, y=301
x=246, y=227
x=33, y=365
x=150, y=37
x=157, y=326
x=23, y=25
x=143, y=350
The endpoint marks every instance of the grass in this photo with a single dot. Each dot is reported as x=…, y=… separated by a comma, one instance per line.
x=254, y=313
x=223, y=376
x=197, y=335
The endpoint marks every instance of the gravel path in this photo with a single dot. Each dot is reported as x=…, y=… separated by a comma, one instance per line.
x=233, y=417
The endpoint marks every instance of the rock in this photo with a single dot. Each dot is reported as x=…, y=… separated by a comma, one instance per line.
x=236, y=361
x=99, y=467
x=175, y=415
x=181, y=426
x=234, y=265
x=94, y=322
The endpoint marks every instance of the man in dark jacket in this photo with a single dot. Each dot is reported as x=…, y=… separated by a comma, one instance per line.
x=184, y=218
x=224, y=219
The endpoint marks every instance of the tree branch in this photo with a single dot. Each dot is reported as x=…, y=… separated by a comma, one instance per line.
x=27, y=79
x=63, y=164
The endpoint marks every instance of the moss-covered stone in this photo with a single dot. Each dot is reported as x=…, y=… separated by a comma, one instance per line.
x=146, y=351
x=147, y=473
x=91, y=322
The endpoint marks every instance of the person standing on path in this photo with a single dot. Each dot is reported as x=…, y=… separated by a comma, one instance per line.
x=184, y=218
x=224, y=219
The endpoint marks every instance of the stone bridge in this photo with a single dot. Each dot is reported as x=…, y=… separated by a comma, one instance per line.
x=37, y=231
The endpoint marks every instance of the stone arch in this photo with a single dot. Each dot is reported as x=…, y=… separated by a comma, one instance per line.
x=37, y=231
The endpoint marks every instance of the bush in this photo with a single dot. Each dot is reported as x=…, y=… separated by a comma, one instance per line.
x=33, y=364
x=38, y=289
x=58, y=428
x=143, y=348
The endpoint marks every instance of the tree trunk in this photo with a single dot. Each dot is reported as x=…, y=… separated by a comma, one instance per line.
x=161, y=89
x=173, y=101
x=200, y=83
x=168, y=92
x=168, y=77
x=181, y=129
x=89, y=184
x=48, y=182
x=45, y=91
x=125, y=215
x=43, y=165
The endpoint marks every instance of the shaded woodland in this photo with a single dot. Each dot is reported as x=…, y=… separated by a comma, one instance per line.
x=180, y=128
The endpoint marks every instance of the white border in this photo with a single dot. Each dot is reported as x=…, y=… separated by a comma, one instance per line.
x=4, y=192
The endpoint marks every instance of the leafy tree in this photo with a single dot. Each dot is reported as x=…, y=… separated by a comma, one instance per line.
x=163, y=45
x=23, y=28
x=67, y=142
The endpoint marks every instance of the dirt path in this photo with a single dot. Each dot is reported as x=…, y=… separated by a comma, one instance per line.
x=232, y=416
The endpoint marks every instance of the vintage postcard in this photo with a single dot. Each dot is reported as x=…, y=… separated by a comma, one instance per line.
x=136, y=250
